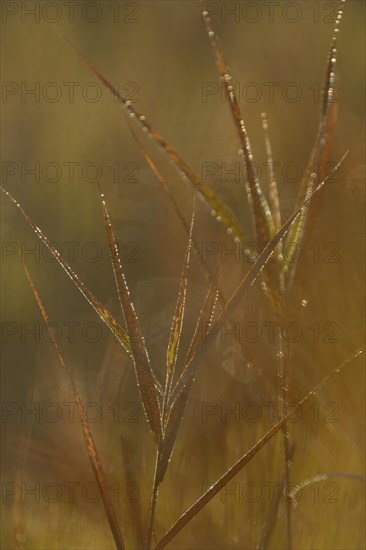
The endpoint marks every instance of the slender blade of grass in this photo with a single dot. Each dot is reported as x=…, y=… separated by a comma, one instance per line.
x=146, y=381
x=238, y=466
x=263, y=221
x=175, y=410
x=321, y=150
x=271, y=517
x=177, y=322
x=272, y=185
x=117, y=330
x=171, y=360
x=205, y=317
x=273, y=276
x=201, y=333
x=87, y=434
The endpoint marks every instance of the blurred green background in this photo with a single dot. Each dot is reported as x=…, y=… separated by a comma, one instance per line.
x=159, y=53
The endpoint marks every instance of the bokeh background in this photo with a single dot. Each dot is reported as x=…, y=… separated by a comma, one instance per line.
x=158, y=53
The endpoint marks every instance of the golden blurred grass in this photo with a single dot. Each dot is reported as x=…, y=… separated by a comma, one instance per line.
x=169, y=80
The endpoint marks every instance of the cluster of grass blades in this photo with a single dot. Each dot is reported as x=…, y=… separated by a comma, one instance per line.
x=165, y=401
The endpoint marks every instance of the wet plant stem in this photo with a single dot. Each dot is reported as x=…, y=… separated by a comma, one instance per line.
x=282, y=355
x=153, y=501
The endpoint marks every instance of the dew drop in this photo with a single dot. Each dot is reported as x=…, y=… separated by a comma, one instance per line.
x=229, y=231
x=213, y=213
x=304, y=302
x=211, y=34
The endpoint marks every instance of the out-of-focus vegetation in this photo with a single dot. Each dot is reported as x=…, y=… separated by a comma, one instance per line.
x=164, y=61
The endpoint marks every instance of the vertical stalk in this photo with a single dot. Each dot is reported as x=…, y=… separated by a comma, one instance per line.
x=282, y=357
x=153, y=501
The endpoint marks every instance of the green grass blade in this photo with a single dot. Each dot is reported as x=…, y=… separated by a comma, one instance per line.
x=177, y=323
x=176, y=408
x=204, y=321
x=171, y=360
x=297, y=231
x=272, y=185
x=90, y=447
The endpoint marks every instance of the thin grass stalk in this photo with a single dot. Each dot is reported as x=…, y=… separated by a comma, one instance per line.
x=177, y=324
x=90, y=446
x=154, y=500
x=201, y=502
x=285, y=433
x=171, y=360
x=272, y=184
x=320, y=153
x=272, y=513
